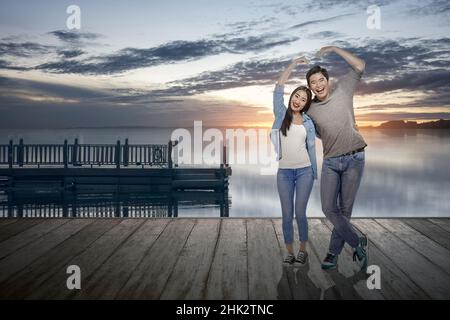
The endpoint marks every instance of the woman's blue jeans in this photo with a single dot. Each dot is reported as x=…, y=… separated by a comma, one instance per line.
x=299, y=182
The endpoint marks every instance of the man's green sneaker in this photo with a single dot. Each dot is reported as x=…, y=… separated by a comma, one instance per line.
x=330, y=262
x=361, y=253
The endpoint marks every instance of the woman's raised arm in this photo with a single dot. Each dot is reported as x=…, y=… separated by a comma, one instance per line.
x=286, y=73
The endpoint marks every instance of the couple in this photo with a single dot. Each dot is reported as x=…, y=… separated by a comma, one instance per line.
x=329, y=114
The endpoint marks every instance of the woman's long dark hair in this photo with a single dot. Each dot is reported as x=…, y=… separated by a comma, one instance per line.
x=288, y=116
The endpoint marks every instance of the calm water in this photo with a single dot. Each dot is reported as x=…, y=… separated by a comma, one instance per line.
x=407, y=174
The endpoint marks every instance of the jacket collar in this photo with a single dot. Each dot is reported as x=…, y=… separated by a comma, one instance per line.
x=306, y=117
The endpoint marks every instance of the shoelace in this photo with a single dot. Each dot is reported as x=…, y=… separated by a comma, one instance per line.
x=355, y=255
x=301, y=256
x=289, y=258
x=329, y=258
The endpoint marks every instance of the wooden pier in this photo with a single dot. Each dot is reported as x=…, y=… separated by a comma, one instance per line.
x=230, y=258
x=101, y=167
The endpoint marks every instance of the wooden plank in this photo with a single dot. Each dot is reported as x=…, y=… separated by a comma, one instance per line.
x=430, y=230
x=395, y=284
x=264, y=256
x=444, y=223
x=189, y=277
x=439, y=255
x=349, y=279
x=228, y=274
x=149, y=278
x=31, y=234
x=423, y=272
x=36, y=274
x=12, y=229
x=114, y=272
x=88, y=261
x=26, y=255
x=6, y=221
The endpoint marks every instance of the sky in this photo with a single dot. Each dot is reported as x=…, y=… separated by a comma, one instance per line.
x=170, y=63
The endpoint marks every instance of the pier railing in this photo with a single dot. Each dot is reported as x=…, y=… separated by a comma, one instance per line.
x=77, y=155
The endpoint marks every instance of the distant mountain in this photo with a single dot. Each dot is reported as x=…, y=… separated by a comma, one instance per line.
x=402, y=124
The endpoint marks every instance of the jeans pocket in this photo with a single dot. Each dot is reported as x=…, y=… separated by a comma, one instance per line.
x=359, y=156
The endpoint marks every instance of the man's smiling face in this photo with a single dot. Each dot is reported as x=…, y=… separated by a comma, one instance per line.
x=319, y=85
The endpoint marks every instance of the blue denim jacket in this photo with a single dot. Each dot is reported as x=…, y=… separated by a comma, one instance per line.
x=279, y=110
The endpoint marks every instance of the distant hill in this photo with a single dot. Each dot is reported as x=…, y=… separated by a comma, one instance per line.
x=402, y=124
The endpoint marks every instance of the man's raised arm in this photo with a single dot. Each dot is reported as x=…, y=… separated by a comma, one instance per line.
x=355, y=62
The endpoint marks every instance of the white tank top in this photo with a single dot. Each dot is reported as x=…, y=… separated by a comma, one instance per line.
x=293, y=146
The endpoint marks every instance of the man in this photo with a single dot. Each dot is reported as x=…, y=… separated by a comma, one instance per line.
x=343, y=153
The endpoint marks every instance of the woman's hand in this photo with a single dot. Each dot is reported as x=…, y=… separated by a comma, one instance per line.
x=301, y=60
x=285, y=75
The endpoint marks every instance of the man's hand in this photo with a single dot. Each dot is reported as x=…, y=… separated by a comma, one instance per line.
x=325, y=50
x=355, y=62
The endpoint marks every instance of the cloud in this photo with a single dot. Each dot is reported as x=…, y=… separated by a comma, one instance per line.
x=328, y=4
x=431, y=80
x=9, y=86
x=49, y=105
x=241, y=74
x=23, y=49
x=176, y=51
x=319, y=21
x=381, y=116
x=71, y=53
x=326, y=35
x=6, y=65
x=74, y=36
x=434, y=8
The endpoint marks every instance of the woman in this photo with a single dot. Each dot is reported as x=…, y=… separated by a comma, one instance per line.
x=293, y=135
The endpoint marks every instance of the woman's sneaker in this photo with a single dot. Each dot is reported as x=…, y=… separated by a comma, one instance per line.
x=301, y=259
x=289, y=260
x=330, y=261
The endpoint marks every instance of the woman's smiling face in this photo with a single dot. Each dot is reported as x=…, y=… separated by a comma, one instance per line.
x=298, y=101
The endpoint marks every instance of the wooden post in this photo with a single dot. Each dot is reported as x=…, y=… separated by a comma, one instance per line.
x=75, y=152
x=117, y=156
x=65, y=154
x=224, y=156
x=10, y=154
x=169, y=154
x=126, y=153
x=20, y=153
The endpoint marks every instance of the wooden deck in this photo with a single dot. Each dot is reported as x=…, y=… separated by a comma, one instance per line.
x=230, y=258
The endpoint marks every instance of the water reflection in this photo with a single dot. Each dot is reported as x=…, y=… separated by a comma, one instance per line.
x=407, y=173
x=115, y=205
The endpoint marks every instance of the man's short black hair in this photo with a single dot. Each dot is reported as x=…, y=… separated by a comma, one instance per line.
x=314, y=70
